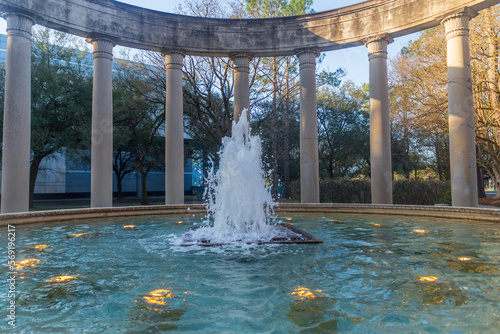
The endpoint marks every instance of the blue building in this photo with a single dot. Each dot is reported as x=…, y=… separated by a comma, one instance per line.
x=3, y=48
x=61, y=177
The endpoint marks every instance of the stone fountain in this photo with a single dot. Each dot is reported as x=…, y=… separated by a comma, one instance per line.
x=240, y=205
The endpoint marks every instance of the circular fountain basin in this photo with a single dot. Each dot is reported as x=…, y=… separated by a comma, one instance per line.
x=373, y=273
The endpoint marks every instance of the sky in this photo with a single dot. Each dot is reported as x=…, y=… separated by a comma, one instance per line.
x=353, y=60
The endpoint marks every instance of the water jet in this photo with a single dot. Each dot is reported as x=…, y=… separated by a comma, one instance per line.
x=239, y=203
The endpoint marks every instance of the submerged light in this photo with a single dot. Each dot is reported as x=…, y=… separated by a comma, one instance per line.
x=129, y=226
x=376, y=224
x=77, y=235
x=157, y=296
x=420, y=231
x=464, y=258
x=42, y=247
x=305, y=293
x=427, y=279
x=59, y=279
x=26, y=263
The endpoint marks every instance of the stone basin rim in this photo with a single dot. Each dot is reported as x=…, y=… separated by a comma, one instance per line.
x=54, y=216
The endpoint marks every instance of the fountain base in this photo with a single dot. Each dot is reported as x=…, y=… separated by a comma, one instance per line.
x=289, y=235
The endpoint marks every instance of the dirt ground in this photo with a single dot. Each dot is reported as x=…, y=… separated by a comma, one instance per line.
x=490, y=201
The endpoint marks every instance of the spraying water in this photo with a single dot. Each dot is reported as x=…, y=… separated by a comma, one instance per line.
x=238, y=200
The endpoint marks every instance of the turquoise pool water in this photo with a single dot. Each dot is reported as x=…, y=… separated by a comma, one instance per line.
x=372, y=274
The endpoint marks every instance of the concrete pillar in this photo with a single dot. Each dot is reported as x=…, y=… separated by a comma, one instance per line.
x=174, y=133
x=309, y=165
x=461, y=110
x=380, y=124
x=101, y=164
x=241, y=73
x=17, y=115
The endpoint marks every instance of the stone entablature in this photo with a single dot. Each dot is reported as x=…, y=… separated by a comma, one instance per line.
x=142, y=28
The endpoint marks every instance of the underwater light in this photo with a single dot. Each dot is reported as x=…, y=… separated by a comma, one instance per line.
x=26, y=263
x=464, y=258
x=427, y=279
x=77, y=235
x=377, y=225
x=420, y=231
x=129, y=226
x=59, y=279
x=42, y=247
x=157, y=296
x=305, y=293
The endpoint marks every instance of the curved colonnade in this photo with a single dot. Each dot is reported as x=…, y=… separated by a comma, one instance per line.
x=106, y=23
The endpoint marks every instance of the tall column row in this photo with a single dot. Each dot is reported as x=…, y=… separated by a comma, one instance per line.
x=460, y=112
x=17, y=110
x=309, y=162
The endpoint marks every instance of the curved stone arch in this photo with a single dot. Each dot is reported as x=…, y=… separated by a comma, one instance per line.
x=142, y=28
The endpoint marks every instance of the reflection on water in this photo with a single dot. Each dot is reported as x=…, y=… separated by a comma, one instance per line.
x=441, y=293
x=473, y=266
x=372, y=274
x=157, y=311
x=316, y=312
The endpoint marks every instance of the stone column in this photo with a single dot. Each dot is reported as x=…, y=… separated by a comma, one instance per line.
x=241, y=74
x=461, y=110
x=174, y=133
x=309, y=165
x=101, y=164
x=380, y=125
x=17, y=115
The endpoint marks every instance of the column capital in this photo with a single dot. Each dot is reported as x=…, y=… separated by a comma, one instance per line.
x=241, y=62
x=18, y=24
x=174, y=59
x=377, y=45
x=242, y=56
x=307, y=58
x=457, y=24
x=103, y=46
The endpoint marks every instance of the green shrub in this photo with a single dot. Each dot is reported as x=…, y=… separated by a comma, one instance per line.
x=412, y=192
x=344, y=191
x=417, y=192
